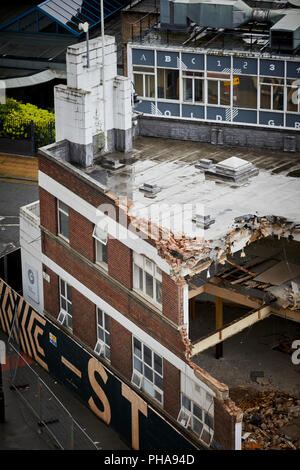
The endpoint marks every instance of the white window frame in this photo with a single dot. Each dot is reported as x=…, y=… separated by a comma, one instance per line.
x=271, y=88
x=64, y=316
x=141, y=267
x=189, y=416
x=65, y=213
x=219, y=80
x=193, y=78
x=145, y=383
x=102, y=345
x=101, y=244
x=145, y=76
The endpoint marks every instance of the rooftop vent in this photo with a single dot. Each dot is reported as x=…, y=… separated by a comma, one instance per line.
x=150, y=189
x=232, y=169
x=204, y=163
x=203, y=221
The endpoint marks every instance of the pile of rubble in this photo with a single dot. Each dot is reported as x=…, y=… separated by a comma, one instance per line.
x=271, y=421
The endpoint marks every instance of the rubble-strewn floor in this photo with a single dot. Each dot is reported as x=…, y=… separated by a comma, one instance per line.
x=251, y=351
x=271, y=419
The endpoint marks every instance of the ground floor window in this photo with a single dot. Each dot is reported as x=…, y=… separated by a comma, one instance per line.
x=147, y=370
x=196, y=418
x=65, y=295
x=103, y=334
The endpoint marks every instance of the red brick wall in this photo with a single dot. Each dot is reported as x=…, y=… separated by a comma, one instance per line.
x=172, y=300
x=121, y=348
x=171, y=389
x=48, y=211
x=120, y=262
x=51, y=293
x=114, y=295
x=84, y=319
x=81, y=235
x=224, y=427
x=71, y=181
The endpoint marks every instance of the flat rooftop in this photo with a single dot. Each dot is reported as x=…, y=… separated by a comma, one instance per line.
x=170, y=164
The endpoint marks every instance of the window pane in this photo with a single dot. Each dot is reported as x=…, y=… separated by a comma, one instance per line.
x=137, y=364
x=99, y=317
x=292, y=97
x=158, y=396
x=168, y=84
x=158, y=381
x=209, y=421
x=225, y=92
x=64, y=225
x=63, y=207
x=158, y=292
x=187, y=89
x=186, y=402
x=138, y=83
x=137, y=347
x=148, y=373
x=148, y=388
x=69, y=308
x=212, y=91
x=149, y=285
x=265, y=97
x=107, y=322
x=63, y=304
x=107, y=339
x=69, y=321
x=245, y=92
x=198, y=90
x=172, y=91
x=69, y=292
x=149, y=86
x=100, y=333
x=158, y=364
x=197, y=412
x=107, y=353
x=148, y=356
x=63, y=288
x=278, y=98
x=196, y=425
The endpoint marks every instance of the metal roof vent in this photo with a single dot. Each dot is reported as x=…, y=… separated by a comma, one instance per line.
x=150, y=189
x=203, y=221
x=204, y=164
x=233, y=170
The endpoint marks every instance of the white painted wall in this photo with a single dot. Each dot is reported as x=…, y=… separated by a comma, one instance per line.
x=80, y=105
x=31, y=255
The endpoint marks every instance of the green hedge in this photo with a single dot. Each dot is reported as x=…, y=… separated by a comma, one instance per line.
x=15, y=122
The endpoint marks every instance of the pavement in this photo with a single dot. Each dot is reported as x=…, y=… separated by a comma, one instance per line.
x=20, y=431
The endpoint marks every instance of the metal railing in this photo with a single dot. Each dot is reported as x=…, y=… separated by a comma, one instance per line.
x=143, y=25
x=49, y=412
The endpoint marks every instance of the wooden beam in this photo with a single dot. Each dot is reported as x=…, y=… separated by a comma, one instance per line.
x=219, y=326
x=196, y=291
x=231, y=295
x=231, y=330
x=287, y=314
